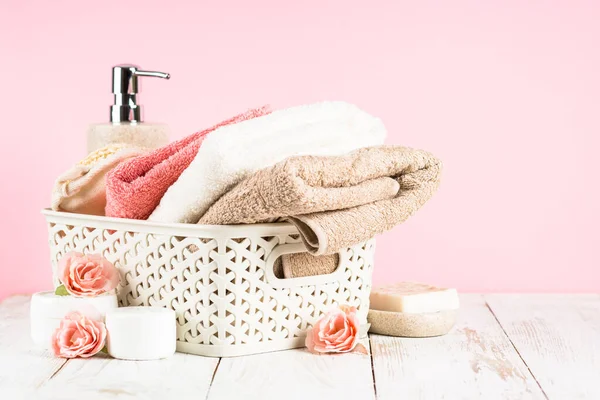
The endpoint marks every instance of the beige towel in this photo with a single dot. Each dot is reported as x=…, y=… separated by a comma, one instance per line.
x=305, y=264
x=334, y=201
x=82, y=188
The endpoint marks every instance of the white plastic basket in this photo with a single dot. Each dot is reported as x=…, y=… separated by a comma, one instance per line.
x=218, y=279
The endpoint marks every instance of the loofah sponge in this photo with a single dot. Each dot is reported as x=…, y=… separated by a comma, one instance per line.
x=411, y=325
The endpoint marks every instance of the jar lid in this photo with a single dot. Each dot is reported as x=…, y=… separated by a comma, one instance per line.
x=50, y=305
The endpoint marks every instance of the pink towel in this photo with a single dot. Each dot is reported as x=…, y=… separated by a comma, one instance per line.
x=134, y=188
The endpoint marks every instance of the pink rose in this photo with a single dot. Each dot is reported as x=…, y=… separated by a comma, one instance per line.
x=87, y=275
x=335, y=332
x=78, y=336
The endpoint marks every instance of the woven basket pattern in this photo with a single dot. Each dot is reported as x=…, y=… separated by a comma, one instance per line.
x=219, y=286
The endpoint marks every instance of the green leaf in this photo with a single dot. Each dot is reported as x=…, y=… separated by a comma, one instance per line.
x=104, y=350
x=61, y=291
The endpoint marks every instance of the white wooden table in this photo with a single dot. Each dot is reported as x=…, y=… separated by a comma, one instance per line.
x=503, y=347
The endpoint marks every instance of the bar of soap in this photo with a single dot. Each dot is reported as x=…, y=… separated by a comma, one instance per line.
x=48, y=309
x=411, y=297
x=141, y=333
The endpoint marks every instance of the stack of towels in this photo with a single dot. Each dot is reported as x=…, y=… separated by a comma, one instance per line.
x=323, y=167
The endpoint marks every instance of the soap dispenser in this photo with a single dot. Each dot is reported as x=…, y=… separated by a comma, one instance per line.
x=126, y=117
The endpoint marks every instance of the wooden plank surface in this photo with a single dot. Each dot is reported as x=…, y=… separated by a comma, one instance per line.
x=294, y=374
x=513, y=347
x=182, y=376
x=558, y=337
x=22, y=367
x=474, y=361
x=27, y=373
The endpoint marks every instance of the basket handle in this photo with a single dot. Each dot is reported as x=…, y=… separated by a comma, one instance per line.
x=291, y=248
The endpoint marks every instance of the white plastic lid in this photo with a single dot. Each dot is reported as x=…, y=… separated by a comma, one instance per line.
x=50, y=305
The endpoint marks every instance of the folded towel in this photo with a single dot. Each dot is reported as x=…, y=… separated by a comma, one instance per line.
x=82, y=188
x=298, y=265
x=336, y=201
x=232, y=153
x=135, y=188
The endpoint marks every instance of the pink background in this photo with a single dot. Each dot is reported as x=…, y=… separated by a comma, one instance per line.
x=506, y=94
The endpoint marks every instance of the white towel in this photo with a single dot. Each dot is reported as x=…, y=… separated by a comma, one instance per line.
x=234, y=152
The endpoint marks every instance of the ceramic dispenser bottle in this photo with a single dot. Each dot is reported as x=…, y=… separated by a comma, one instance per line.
x=126, y=117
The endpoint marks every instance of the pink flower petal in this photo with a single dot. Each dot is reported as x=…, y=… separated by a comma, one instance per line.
x=360, y=349
x=87, y=275
x=335, y=332
x=78, y=336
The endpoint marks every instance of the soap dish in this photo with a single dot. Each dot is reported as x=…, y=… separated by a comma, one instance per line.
x=415, y=325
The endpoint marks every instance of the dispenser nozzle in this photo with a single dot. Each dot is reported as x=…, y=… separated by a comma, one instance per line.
x=125, y=86
x=155, y=74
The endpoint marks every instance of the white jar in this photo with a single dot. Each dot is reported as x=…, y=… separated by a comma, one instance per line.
x=141, y=333
x=48, y=309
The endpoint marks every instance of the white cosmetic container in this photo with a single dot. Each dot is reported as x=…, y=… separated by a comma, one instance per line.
x=48, y=309
x=141, y=333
